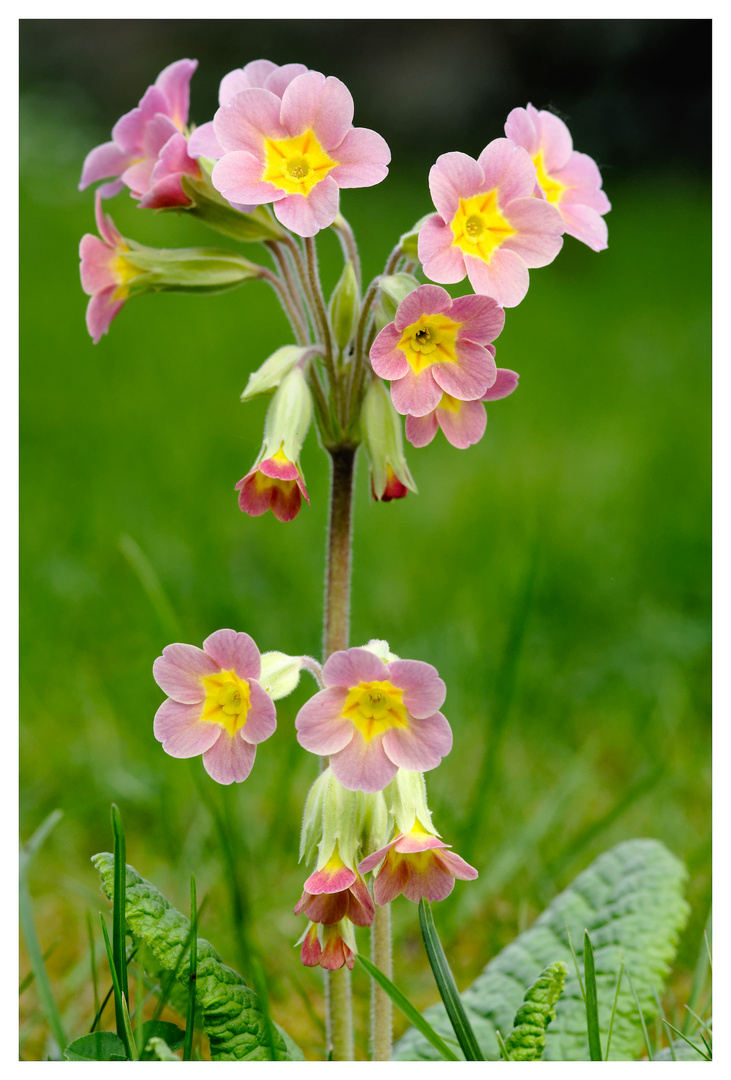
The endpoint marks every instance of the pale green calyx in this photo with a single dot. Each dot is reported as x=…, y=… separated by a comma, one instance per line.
x=312, y=817
x=279, y=673
x=189, y=270
x=381, y=649
x=409, y=242
x=392, y=290
x=216, y=212
x=274, y=369
x=333, y=815
x=376, y=830
x=344, y=306
x=406, y=800
x=289, y=416
x=383, y=439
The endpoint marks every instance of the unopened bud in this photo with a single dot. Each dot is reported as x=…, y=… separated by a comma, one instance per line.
x=383, y=438
x=409, y=242
x=289, y=416
x=345, y=306
x=279, y=673
x=273, y=370
x=406, y=800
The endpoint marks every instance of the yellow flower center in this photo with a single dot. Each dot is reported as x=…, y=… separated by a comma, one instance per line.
x=552, y=188
x=227, y=700
x=374, y=707
x=450, y=403
x=478, y=226
x=431, y=340
x=296, y=165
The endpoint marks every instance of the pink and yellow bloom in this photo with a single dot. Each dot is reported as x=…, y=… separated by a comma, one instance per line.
x=329, y=946
x=275, y=484
x=488, y=225
x=566, y=179
x=436, y=346
x=374, y=717
x=106, y=273
x=140, y=137
x=463, y=422
x=417, y=864
x=215, y=705
x=296, y=150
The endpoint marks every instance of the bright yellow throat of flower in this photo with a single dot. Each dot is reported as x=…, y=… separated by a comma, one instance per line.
x=551, y=187
x=431, y=340
x=227, y=700
x=374, y=707
x=296, y=165
x=479, y=227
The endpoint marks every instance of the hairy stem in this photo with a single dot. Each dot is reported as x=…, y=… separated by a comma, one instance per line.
x=339, y=1015
x=381, y=1007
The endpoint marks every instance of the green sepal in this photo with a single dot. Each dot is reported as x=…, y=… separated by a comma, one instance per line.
x=393, y=289
x=289, y=416
x=213, y=210
x=344, y=306
x=527, y=1040
x=280, y=673
x=275, y=368
x=196, y=270
x=406, y=800
x=409, y=242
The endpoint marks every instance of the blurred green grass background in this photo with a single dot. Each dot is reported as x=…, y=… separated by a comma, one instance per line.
x=557, y=575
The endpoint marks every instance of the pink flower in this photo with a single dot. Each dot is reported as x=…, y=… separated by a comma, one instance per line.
x=329, y=946
x=336, y=891
x=296, y=150
x=488, y=225
x=463, y=422
x=106, y=273
x=215, y=706
x=394, y=489
x=437, y=345
x=416, y=864
x=139, y=137
x=375, y=716
x=275, y=484
x=568, y=180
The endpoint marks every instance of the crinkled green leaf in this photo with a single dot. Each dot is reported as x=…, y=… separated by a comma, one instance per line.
x=631, y=901
x=98, y=1046
x=161, y=1031
x=527, y=1040
x=232, y=1019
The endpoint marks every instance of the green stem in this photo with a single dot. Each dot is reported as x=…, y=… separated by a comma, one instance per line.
x=381, y=1006
x=301, y=327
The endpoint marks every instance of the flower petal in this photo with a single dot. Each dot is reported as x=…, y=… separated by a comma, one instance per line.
x=180, y=669
x=323, y=105
x=387, y=359
x=234, y=651
x=363, y=766
x=420, y=430
x=261, y=719
x=349, y=667
x=465, y=426
x=415, y=395
x=426, y=300
x=363, y=158
x=424, y=691
x=504, y=384
x=321, y=727
x=481, y=317
x=247, y=120
x=471, y=376
x=508, y=168
x=181, y=731
x=421, y=746
x=454, y=176
x=538, y=231
x=505, y=277
x=230, y=759
x=442, y=260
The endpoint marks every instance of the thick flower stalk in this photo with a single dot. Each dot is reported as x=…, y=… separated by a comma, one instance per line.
x=296, y=151
x=568, y=180
x=488, y=226
x=463, y=422
x=437, y=345
x=374, y=717
x=216, y=705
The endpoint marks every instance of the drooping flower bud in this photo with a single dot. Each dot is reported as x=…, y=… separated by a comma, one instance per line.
x=274, y=369
x=345, y=306
x=406, y=800
x=383, y=438
x=280, y=673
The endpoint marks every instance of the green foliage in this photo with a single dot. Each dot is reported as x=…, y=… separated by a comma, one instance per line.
x=527, y=1040
x=446, y=985
x=631, y=902
x=232, y=1019
x=98, y=1046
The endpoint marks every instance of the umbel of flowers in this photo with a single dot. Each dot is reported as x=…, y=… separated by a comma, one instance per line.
x=374, y=361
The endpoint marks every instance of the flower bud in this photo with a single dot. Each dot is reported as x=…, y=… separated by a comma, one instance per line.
x=273, y=370
x=381, y=649
x=279, y=673
x=289, y=416
x=392, y=290
x=410, y=240
x=345, y=306
x=189, y=270
x=383, y=438
x=406, y=800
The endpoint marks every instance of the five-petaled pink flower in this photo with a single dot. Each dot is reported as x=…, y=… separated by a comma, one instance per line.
x=417, y=864
x=463, y=422
x=296, y=150
x=488, y=224
x=374, y=717
x=106, y=272
x=141, y=140
x=436, y=346
x=330, y=946
x=568, y=180
x=275, y=484
x=215, y=706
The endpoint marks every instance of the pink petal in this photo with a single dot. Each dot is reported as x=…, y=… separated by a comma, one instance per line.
x=247, y=120
x=424, y=691
x=505, y=277
x=520, y=128
x=481, y=317
x=178, y=672
x=363, y=766
x=454, y=176
x=556, y=142
x=580, y=171
x=420, y=430
x=371, y=861
x=504, y=384
x=165, y=193
x=426, y=300
x=96, y=271
x=286, y=501
x=441, y=258
x=238, y=177
x=586, y=225
x=321, y=104
x=174, y=81
x=466, y=426
x=329, y=881
x=203, y=142
x=234, y=652
x=109, y=159
x=100, y=311
x=456, y=866
x=470, y=377
x=311, y=953
x=362, y=157
x=388, y=361
x=538, y=228
x=594, y=198
x=421, y=746
x=434, y=883
x=261, y=719
x=508, y=168
x=415, y=394
x=391, y=881
x=321, y=727
x=349, y=667
x=129, y=130
x=254, y=74
x=409, y=843
x=307, y=215
x=279, y=79
x=181, y=731
x=230, y=759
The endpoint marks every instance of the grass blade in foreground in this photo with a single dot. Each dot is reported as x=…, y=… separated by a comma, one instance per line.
x=119, y=999
x=190, y=1025
x=592, y=1004
x=119, y=930
x=446, y=985
x=410, y=1012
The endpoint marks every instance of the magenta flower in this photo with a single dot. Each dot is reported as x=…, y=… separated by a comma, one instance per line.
x=106, y=273
x=488, y=225
x=463, y=422
x=138, y=138
x=568, y=180
x=417, y=864
x=296, y=150
x=329, y=946
x=375, y=717
x=437, y=345
x=275, y=484
x=215, y=705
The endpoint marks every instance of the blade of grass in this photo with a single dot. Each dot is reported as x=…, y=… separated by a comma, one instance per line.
x=27, y=926
x=410, y=1012
x=150, y=582
x=119, y=928
x=110, y=991
x=120, y=1000
x=576, y=965
x=503, y=1048
x=614, y=1006
x=683, y=1037
x=92, y=958
x=700, y=974
x=591, y=1000
x=641, y=1016
x=446, y=985
x=190, y=1021
x=659, y=1021
x=31, y=976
